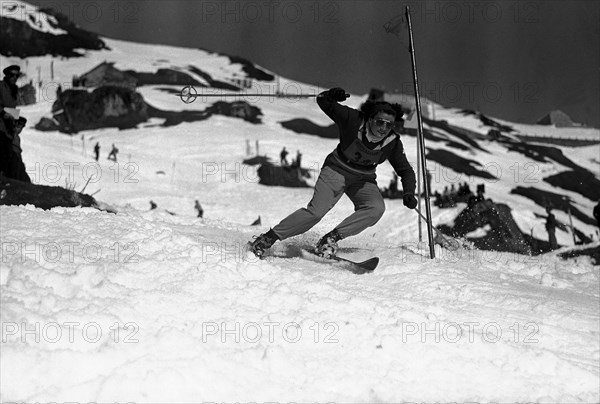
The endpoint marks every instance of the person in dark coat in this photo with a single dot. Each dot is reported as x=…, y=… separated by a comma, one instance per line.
x=367, y=138
x=596, y=213
x=97, y=151
x=199, y=209
x=283, y=157
x=10, y=126
x=551, y=228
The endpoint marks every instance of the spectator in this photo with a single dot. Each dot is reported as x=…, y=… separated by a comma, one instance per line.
x=283, y=157
x=429, y=181
x=97, y=151
x=113, y=153
x=551, y=228
x=199, y=209
x=11, y=126
x=480, y=192
x=394, y=185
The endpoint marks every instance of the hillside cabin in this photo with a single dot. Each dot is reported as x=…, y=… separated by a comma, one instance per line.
x=105, y=74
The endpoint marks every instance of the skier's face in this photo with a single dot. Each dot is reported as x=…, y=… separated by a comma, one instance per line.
x=381, y=124
x=12, y=76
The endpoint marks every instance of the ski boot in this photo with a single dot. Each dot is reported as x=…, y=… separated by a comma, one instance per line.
x=327, y=247
x=262, y=243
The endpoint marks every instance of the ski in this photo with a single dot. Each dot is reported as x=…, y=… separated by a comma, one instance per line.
x=355, y=267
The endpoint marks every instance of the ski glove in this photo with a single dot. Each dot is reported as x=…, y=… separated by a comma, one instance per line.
x=409, y=201
x=338, y=94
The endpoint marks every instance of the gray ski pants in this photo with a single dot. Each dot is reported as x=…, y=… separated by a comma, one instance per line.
x=329, y=188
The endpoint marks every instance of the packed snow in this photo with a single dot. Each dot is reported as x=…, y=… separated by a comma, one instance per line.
x=162, y=306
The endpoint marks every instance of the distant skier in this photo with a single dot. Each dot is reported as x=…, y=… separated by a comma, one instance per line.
x=113, y=153
x=551, y=229
x=199, y=209
x=97, y=151
x=367, y=138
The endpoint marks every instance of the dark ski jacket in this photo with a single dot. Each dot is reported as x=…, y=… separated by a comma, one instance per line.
x=356, y=152
x=8, y=99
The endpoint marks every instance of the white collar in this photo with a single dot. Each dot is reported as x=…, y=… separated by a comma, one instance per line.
x=372, y=137
x=364, y=129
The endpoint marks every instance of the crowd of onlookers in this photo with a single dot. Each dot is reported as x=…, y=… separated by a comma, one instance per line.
x=452, y=195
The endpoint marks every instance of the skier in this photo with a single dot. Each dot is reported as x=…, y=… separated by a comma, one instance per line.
x=113, y=153
x=97, y=151
x=367, y=138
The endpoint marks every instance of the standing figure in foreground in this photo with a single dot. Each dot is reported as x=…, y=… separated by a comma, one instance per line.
x=367, y=138
x=11, y=125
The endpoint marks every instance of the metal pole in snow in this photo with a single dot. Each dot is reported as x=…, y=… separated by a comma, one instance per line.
x=419, y=192
x=421, y=138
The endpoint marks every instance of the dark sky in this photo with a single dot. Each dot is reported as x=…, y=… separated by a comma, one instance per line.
x=511, y=59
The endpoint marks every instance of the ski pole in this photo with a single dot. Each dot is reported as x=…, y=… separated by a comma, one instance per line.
x=454, y=245
x=189, y=94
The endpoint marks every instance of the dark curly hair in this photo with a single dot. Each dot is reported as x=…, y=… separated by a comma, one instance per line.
x=370, y=108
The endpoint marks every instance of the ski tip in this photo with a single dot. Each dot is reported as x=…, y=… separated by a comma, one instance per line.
x=365, y=267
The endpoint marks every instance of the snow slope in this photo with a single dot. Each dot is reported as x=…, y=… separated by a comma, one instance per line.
x=146, y=306
x=39, y=21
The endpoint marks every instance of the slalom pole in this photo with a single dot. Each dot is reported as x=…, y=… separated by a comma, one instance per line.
x=419, y=192
x=421, y=138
